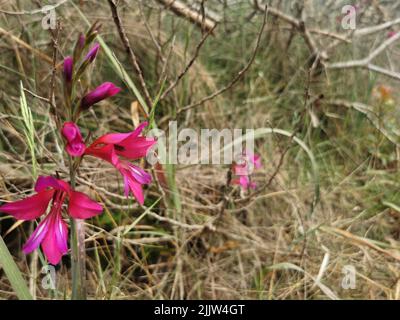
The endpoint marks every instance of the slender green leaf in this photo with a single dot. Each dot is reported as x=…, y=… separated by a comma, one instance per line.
x=13, y=274
x=29, y=129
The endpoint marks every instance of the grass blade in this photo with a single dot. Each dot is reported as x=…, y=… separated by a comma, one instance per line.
x=13, y=274
x=29, y=129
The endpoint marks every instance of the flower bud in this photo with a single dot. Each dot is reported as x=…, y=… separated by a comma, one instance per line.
x=103, y=91
x=68, y=69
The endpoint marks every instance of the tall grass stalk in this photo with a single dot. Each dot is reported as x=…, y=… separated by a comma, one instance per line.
x=29, y=129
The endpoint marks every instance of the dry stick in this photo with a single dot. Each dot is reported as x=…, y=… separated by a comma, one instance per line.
x=128, y=48
x=163, y=74
x=373, y=29
x=37, y=52
x=37, y=96
x=160, y=55
x=330, y=34
x=196, y=54
x=184, y=11
x=52, y=98
x=299, y=25
x=152, y=36
x=237, y=77
x=367, y=62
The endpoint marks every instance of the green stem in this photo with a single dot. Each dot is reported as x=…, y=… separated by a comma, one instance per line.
x=78, y=250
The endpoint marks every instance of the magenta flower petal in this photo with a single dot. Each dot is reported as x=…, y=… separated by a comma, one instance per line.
x=68, y=69
x=55, y=244
x=139, y=174
x=75, y=146
x=37, y=236
x=92, y=52
x=116, y=138
x=45, y=182
x=82, y=207
x=136, y=189
x=134, y=178
x=29, y=208
x=244, y=169
x=52, y=232
x=136, y=148
x=103, y=91
x=257, y=161
x=105, y=152
x=112, y=138
x=75, y=149
x=129, y=145
x=126, y=186
x=243, y=181
x=253, y=159
x=70, y=131
x=138, y=130
x=241, y=169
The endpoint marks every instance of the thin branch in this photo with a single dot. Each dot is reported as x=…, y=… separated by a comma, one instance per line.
x=182, y=10
x=196, y=54
x=367, y=62
x=299, y=25
x=22, y=43
x=128, y=48
x=239, y=74
x=374, y=29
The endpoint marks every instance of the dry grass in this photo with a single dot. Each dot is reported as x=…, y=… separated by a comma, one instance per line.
x=273, y=245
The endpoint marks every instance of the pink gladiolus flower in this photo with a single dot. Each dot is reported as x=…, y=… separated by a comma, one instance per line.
x=134, y=178
x=131, y=146
x=245, y=168
x=52, y=231
x=93, y=53
x=103, y=91
x=75, y=144
x=68, y=66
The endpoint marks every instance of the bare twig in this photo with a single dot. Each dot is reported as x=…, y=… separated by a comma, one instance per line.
x=52, y=99
x=367, y=62
x=182, y=10
x=195, y=55
x=239, y=74
x=129, y=50
x=373, y=29
x=300, y=26
x=17, y=40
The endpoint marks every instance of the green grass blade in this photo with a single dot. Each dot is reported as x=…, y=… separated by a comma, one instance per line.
x=29, y=129
x=13, y=274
